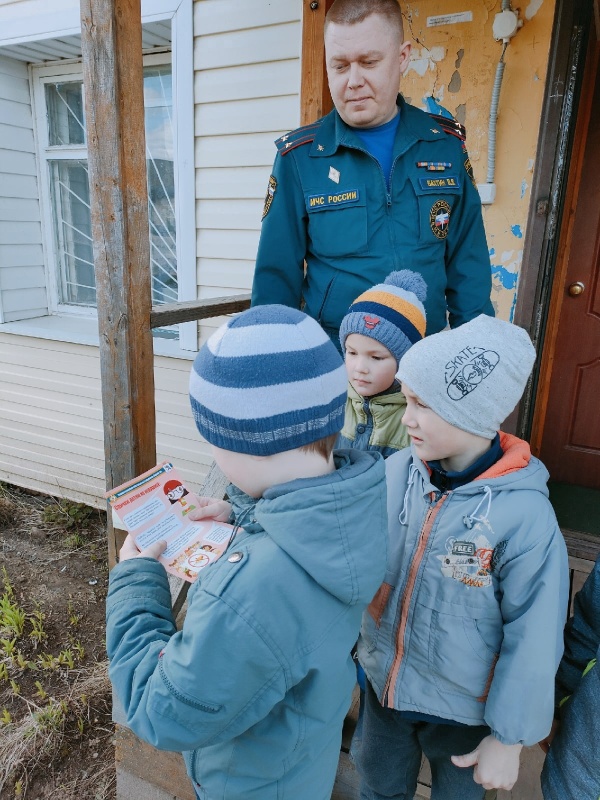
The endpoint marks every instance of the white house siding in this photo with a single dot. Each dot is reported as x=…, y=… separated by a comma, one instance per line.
x=246, y=94
x=22, y=279
x=51, y=436
x=247, y=79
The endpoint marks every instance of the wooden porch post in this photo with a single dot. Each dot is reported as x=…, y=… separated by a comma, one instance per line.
x=111, y=34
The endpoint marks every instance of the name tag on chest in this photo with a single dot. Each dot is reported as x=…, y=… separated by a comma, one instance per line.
x=439, y=184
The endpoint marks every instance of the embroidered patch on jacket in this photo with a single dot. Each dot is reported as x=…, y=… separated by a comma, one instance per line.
x=468, y=562
x=469, y=170
x=439, y=184
x=439, y=219
x=468, y=369
x=371, y=322
x=269, y=196
x=315, y=202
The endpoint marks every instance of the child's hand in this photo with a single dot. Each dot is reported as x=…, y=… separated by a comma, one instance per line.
x=129, y=550
x=211, y=508
x=496, y=764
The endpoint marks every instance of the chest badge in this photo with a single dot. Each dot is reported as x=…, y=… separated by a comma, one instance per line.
x=334, y=175
x=439, y=219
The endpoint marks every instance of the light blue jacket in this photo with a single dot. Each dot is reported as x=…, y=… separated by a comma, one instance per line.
x=468, y=623
x=256, y=686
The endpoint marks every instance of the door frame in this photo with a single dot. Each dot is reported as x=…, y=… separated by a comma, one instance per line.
x=539, y=293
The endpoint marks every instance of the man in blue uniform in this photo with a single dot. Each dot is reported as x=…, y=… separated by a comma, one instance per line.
x=376, y=185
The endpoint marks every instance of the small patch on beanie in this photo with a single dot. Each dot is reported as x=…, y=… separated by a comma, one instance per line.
x=468, y=369
x=371, y=322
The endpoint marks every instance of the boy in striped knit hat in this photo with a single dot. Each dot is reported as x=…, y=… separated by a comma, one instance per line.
x=255, y=687
x=380, y=326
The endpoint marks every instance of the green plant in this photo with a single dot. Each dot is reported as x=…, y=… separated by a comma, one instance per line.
x=5, y=717
x=73, y=616
x=52, y=716
x=67, y=514
x=12, y=617
x=16, y=689
x=36, y=620
x=41, y=692
x=66, y=658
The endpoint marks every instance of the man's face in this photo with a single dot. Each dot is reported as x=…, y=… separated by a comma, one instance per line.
x=364, y=64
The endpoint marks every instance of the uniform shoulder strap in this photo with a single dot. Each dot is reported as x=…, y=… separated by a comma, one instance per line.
x=450, y=126
x=304, y=135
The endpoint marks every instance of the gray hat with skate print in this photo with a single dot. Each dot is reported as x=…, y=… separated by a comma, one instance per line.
x=472, y=376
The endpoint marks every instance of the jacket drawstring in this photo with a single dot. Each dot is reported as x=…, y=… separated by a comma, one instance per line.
x=403, y=517
x=471, y=519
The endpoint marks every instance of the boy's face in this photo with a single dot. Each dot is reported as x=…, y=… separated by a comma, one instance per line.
x=434, y=439
x=370, y=365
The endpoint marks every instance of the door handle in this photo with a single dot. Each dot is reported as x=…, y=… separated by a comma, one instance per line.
x=575, y=289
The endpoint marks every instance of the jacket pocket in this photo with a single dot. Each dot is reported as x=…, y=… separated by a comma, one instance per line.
x=337, y=221
x=463, y=651
x=435, y=205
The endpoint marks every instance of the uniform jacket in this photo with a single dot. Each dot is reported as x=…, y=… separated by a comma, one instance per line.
x=374, y=423
x=571, y=770
x=328, y=203
x=255, y=687
x=468, y=622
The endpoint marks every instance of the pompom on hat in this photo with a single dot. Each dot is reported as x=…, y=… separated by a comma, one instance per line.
x=267, y=381
x=472, y=376
x=391, y=312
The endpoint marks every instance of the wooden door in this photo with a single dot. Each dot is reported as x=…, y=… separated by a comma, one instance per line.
x=570, y=442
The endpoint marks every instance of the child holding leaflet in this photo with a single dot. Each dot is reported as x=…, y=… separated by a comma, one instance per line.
x=255, y=687
x=461, y=642
x=380, y=326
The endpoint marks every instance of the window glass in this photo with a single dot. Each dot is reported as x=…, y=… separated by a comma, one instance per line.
x=64, y=105
x=69, y=189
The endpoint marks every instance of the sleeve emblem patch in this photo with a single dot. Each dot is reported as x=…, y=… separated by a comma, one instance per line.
x=269, y=196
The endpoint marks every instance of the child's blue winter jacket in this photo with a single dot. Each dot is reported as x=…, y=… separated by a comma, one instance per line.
x=255, y=687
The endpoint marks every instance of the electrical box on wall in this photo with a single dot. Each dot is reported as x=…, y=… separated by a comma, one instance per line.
x=487, y=193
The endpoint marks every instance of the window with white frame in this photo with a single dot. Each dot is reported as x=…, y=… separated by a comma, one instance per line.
x=59, y=104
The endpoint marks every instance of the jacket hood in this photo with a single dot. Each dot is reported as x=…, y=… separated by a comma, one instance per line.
x=334, y=526
x=517, y=470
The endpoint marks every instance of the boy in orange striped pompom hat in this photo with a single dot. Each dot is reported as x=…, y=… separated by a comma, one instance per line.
x=379, y=328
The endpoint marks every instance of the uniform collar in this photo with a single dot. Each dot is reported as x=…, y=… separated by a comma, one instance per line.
x=414, y=126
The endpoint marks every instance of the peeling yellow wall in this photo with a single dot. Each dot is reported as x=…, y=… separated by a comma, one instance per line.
x=456, y=65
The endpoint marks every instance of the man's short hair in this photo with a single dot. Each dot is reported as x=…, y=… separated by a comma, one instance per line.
x=350, y=12
x=324, y=447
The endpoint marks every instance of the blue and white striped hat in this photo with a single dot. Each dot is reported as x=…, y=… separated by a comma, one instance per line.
x=267, y=381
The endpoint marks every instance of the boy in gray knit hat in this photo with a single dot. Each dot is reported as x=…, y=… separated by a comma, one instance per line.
x=255, y=687
x=461, y=642
x=379, y=328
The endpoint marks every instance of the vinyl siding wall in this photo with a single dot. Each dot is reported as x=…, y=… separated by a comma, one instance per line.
x=22, y=277
x=246, y=90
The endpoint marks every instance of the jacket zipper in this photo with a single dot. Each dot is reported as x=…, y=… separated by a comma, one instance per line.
x=407, y=597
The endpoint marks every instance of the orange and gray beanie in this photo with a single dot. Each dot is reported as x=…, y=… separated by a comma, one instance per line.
x=391, y=312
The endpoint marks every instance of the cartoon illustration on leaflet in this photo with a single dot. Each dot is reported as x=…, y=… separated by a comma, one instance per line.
x=468, y=562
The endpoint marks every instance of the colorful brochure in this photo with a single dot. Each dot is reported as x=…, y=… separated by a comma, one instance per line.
x=155, y=506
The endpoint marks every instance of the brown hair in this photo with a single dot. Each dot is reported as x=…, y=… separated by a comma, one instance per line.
x=350, y=12
x=323, y=447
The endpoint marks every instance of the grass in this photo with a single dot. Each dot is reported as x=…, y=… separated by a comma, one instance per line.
x=55, y=696
x=45, y=726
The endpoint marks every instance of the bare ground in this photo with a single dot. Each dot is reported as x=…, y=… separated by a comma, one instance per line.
x=56, y=734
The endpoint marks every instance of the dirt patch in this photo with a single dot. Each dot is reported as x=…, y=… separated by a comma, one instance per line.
x=56, y=734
